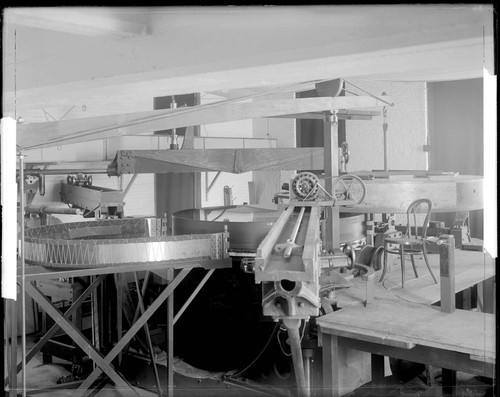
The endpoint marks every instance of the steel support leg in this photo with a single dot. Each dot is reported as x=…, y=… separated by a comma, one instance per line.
x=134, y=329
x=148, y=335
x=292, y=325
x=78, y=337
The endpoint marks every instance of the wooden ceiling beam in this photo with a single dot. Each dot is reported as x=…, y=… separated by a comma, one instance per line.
x=53, y=133
x=85, y=21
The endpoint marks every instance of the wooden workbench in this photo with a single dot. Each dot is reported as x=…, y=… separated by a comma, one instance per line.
x=471, y=268
x=401, y=323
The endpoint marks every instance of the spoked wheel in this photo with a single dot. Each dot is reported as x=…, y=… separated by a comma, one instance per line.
x=349, y=187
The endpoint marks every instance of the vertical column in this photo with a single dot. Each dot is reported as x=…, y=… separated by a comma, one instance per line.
x=331, y=239
x=331, y=370
x=378, y=374
x=486, y=292
x=170, y=337
x=447, y=273
x=119, y=311
x=22, y=200
x=12, y=331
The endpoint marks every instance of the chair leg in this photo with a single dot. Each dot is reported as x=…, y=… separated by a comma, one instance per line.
x=428, y=266
x=402, y=266
x=384, y=270
x=414, y=266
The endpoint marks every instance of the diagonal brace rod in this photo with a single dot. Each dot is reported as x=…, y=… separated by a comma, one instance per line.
x=134, y=328
x=76, y=335
x=193, y=295
x=148, y=335
x=67, y=314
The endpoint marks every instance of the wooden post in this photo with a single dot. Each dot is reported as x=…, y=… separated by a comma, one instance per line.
x=331, y=239
x=378, y=373
x=170, y=337
x=331, y=370
x=447, y=273
x=449, y=386
x=12, y=317
x=486, y=292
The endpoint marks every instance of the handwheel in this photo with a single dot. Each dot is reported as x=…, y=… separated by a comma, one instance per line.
x=349, y=187
x=305, y=186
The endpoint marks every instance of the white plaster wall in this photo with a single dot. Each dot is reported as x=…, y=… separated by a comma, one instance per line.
x=407, y=129
x=267, y=183
x=237, y=182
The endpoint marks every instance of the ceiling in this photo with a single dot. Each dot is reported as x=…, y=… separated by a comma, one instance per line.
x=115, y=60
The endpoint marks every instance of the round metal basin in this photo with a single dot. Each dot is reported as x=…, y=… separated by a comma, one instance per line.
x=248, y=225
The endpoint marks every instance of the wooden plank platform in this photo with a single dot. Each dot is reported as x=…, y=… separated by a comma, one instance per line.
x=471, y=268
x=402, y=323
x=407, y=325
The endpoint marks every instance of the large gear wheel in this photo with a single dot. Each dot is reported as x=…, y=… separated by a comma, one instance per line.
x=305, y=186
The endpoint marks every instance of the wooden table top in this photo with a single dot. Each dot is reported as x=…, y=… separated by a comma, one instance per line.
x=407, y=324
x=404, y=317
x=471, y=268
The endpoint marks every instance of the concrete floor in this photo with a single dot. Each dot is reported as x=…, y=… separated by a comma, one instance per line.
x=41, y=376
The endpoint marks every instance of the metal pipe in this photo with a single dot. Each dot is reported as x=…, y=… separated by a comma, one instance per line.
x=41, y=181
x=65, y=171
x=174, y=144
x=385, y=126
x=293, y=236
x=45, y=209
x=23, y=281
x=295, y=230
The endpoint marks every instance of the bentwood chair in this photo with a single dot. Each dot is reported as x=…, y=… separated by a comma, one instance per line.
x=412, y=243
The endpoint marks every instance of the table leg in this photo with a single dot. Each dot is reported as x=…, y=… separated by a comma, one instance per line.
x=170, y=337
x=378, y=369
x=449, y=386
x=378, y=374
x=486, y=292
x=466, y=299
x=331, y=374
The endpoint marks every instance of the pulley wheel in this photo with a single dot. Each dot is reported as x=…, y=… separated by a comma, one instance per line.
x=305, y=186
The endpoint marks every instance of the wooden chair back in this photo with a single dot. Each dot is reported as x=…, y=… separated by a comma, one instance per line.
x=411, y=214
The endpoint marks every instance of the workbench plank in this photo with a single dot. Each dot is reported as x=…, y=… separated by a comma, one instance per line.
x=471, y=268
x=385, y=321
